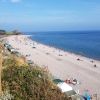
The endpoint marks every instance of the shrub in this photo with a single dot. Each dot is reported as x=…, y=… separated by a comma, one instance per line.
x=27, y=83
x=14, y=61
x=6, y=96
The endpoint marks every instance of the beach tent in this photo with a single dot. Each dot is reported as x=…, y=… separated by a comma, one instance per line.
x=68, y=90
x=64, y=87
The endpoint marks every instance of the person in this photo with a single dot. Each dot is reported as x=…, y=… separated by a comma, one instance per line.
x=95, y=65
x=92, y=61
x=87, y=95
x=78, y=59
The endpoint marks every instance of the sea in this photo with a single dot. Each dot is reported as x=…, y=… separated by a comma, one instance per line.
x=85, y=43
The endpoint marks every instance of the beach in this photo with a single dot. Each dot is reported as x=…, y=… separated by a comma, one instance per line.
x=61, y=64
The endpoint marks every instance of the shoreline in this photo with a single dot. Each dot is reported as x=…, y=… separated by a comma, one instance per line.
x=61, y=64
x=77, y=54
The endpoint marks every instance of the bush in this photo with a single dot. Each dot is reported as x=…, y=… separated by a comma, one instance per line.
x=6, y=96
x=27, y=83
x=14, y=61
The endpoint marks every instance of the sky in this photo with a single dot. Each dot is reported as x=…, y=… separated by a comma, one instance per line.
x=49, y=15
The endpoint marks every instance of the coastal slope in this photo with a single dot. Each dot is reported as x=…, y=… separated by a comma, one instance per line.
x=61, y=64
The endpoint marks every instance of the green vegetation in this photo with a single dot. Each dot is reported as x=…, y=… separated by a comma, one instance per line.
x=9, y=33
x=4, y=32
x=25, y=82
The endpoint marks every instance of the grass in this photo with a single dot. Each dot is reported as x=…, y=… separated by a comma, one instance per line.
x=9, y=33
x=25, y=82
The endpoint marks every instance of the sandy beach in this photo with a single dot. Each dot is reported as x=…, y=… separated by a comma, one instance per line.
x=61, y=64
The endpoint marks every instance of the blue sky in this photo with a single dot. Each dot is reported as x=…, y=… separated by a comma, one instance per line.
x=50, y=15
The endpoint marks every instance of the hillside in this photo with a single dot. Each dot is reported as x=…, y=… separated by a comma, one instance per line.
x=21, y=81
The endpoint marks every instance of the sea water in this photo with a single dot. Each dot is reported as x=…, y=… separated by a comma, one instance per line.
x=86, y=43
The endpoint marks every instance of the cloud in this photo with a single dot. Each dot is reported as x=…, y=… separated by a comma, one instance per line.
x=12, y=1
x=15, y=1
